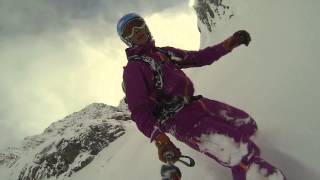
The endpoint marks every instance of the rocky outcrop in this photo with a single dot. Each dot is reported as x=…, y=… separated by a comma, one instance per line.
x=210, y=11
x=70, y=155
x=70, y=144
x=9, y=158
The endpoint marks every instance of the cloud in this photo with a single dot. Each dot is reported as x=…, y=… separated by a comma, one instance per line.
x=59, y=56
x=34, y=17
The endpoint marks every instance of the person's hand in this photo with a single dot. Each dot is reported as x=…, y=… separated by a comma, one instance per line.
x=166, y=149
x=238, y=38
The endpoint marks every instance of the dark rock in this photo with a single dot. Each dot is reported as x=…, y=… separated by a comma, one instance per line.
x=55, y=160
x=209, y=11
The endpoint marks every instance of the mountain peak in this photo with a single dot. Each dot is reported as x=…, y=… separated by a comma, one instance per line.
x=67, y=145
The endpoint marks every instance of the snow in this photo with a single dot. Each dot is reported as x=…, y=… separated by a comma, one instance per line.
x=238, y=122
x=255, y=173
x=126, y=158
x=274, y=79
x=34, y=151
x=225, y=148
x=133, y=157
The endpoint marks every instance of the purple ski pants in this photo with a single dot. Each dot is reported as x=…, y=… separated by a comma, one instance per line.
x=221, y=132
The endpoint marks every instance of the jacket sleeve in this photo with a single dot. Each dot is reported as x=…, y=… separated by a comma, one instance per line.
x=206, y=56
x=139, y=104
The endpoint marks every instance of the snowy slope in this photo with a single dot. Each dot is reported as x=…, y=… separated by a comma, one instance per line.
x=133, y=157
x=275, y=79
x=67, y=145
x=129, y=156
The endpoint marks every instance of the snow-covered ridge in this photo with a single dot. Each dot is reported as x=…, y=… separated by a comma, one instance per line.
x=212, y=11
x=67, y=145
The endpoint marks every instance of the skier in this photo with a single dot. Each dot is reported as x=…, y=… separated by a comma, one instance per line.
x=161, y=100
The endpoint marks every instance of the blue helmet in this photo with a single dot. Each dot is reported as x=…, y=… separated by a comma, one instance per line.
x=123, y=22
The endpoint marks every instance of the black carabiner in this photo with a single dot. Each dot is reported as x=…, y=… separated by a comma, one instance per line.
x=191, y=162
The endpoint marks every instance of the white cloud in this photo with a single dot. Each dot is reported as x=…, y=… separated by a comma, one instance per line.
x=34, y=17
x=177, y=29
x=47, y=76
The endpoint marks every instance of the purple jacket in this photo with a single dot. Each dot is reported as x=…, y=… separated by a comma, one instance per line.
x=139, y=80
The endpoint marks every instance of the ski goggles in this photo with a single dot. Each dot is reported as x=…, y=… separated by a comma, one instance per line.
x=133, y=27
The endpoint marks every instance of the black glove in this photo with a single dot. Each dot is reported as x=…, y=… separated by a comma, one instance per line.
x=167, y=151
x=238, y=38
x=241, y=37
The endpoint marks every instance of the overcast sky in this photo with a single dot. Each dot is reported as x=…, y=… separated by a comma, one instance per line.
x=59, y=56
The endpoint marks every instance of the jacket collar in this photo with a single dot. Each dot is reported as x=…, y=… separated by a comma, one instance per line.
x=141, y=49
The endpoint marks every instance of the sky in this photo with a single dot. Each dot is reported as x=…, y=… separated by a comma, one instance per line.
x=59, y=56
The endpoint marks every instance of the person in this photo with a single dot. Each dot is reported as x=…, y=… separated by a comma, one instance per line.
x=161, y=100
